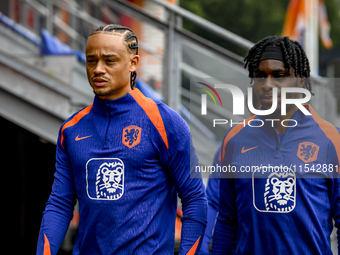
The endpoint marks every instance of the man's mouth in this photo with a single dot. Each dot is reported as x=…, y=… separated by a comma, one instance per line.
x=268, y=99
x=99, y=81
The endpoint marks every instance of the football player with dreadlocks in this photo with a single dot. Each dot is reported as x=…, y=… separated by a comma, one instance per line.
x=287, y=203
x=124, y=157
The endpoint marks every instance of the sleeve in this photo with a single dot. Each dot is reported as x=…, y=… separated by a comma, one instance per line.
x=59, y=208
x=213, y=197
x=335, y=191
x=181, y=160
x=225, y=231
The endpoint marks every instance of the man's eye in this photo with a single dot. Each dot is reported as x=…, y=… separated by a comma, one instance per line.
x=280, y=76
x=259, y=76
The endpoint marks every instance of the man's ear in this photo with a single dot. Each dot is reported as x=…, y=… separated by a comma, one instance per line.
x=134, y=62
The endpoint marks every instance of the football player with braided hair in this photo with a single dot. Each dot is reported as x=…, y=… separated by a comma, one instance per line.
x=284, y=191
x=292, y=54
x=124, y=158
x=129, y=38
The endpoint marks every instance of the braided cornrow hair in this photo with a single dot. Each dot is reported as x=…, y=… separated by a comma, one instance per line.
x=129, y=38
x=293, y=53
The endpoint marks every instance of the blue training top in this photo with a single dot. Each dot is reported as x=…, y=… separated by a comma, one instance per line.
x=213, y=197
x=124, y=160
x=281, y=195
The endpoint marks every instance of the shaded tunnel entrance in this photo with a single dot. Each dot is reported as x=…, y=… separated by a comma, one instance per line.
x=28, y=170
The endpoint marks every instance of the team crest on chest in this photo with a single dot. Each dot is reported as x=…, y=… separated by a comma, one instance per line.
x=307, y=152
x=279, y=195
x=105, y=178
x=131, y=136
x=276, y=193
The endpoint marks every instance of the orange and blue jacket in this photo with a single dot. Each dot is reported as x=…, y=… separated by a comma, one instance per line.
x=125, y=160
x=282, y=192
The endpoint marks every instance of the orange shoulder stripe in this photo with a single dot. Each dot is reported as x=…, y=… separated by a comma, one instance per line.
x=152, y=111
x=234, y=132
x=329, y=130
x=194, y=247
x=47, y=248
x=220, y=158
x=74, y=121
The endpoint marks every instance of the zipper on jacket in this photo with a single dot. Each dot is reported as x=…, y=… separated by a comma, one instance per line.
x=106, y=142
x=277, y=144
x=277, y=150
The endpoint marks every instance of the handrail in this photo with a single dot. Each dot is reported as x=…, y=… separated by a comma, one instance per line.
x=84, y=16
x=79, y=14
x=174, y=35
x=212, y=27
x=137, y=12
x=56, y=20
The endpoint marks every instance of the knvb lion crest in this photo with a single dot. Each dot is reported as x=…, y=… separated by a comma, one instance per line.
x=131, y=136
x=308, y=152
x=276, y=193
x=110, y=180
x=105, y=178
x=280, y=195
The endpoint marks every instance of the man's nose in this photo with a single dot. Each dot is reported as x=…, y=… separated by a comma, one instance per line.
x=268, y=84
x=100, y=69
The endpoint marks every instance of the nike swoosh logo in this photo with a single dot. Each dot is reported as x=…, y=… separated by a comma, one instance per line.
x=81, y=138
x=243, y=150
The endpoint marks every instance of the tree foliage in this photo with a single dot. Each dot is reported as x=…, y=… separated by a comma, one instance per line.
x=333, y=12
x=251, y=19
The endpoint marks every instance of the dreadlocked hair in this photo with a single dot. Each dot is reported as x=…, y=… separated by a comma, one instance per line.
x=293, y=53
x=130, y=40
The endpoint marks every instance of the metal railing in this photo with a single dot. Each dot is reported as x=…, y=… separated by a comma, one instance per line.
x=171, y=25
x=178, y=45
